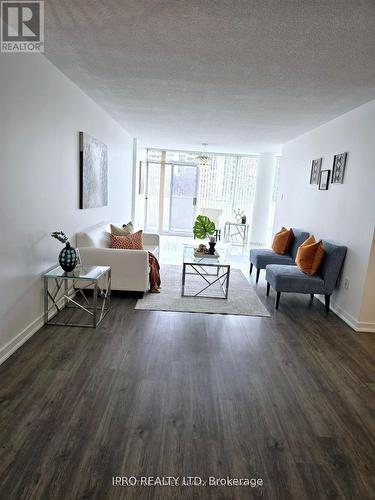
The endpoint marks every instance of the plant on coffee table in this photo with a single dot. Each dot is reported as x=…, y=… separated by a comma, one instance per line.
x=204, y=227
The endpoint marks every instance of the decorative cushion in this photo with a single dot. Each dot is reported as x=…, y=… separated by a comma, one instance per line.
x=122, y=231
x=129, y=242
x=310, y=255
x=282, y=241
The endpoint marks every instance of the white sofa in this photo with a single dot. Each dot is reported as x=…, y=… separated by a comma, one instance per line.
x=130, y=269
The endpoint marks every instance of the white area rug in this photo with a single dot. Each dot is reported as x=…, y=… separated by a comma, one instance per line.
x=242, y=299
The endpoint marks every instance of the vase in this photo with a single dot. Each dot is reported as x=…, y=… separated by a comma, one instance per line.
x=211, y=250
x=68, y=258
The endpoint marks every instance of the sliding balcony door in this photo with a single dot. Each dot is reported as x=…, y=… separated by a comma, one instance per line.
x=183, y=198
x=171, y=197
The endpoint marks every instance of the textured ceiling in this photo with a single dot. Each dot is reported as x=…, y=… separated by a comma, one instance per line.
x=241, y=75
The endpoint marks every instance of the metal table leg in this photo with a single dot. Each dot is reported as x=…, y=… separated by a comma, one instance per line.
x=95, y=305
x=45, y=300
x=183, y=279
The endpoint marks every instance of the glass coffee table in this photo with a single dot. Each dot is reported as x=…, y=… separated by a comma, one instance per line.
x=65, y=289
x=211, y=271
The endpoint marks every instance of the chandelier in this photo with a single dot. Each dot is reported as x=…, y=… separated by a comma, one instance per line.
x=203, y=160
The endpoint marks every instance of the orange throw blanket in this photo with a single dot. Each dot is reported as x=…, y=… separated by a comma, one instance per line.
x=155, y=281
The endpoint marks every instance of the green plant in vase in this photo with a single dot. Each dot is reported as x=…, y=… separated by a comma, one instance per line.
x=203, y=228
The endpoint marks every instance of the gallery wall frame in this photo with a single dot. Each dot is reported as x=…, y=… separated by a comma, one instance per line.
x=316, y=166
x=324, y=180
x=338, y=169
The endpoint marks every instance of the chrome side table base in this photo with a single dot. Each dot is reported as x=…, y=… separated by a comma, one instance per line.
x=237, y=237
x=66, y=292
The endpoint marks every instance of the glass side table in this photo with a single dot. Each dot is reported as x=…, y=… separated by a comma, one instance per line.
x=68, y=287
x=236, y=233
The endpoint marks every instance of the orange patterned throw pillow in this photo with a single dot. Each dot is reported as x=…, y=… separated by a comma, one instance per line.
x=282, y=241
x=310, y=255
x=131, y=242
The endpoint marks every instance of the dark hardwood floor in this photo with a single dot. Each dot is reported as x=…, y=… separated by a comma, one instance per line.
x=288, y=399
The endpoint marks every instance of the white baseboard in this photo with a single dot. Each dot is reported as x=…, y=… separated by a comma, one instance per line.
x=365, y=327
x=21, y=338
x=357, y=326
x=25, y=334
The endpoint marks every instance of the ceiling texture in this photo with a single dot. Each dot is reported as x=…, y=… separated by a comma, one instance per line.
x=241, y=75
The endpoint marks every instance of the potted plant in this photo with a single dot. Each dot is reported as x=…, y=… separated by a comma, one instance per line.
x=68, y=256
x=203, y=228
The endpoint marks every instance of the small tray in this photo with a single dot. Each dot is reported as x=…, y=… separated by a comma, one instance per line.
x=203, y=255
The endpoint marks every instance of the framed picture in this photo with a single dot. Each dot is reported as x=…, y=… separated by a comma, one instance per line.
x=315, y=171
x=142, y=178
x=93, y=159
x=338, y=169
x=324, y=179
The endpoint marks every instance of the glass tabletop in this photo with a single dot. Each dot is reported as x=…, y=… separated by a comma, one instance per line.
x=190, y=258
x=80, y=272
x=228, y=223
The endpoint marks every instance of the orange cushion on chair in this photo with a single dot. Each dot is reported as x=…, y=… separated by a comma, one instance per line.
x=130, y=242
x=310, y=255
x=282, y=241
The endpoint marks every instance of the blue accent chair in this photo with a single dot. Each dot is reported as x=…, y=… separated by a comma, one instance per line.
x=261, y=257
x=292, y=279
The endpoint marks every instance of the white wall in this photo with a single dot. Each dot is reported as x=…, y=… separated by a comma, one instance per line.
x=345, y=213
x=139, y=199
x=368, y=303
x=260, y=224
x=42, y=112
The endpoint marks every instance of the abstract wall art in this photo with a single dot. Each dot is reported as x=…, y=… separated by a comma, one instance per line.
x=93, y=156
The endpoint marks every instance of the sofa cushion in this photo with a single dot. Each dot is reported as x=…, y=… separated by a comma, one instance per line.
x=261, y=257
x=282, y=241
x=98, y=236
x=292, y=279
x=310, y=255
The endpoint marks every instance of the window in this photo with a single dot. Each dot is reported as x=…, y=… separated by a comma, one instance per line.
x=228, y=184
x=177, y=190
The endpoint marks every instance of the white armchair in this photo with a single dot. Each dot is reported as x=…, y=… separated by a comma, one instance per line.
x=130, y=269
x=214, y=214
